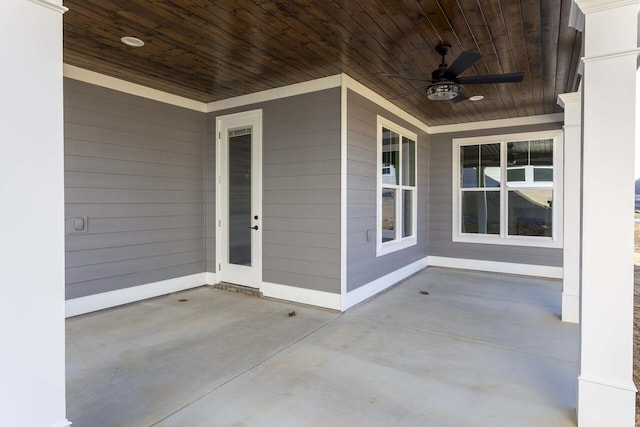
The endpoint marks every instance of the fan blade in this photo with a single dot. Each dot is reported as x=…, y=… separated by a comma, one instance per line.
x=461, y=97
x=465, y=60
x=494, y=78
x=411, y=92
x=398, y=76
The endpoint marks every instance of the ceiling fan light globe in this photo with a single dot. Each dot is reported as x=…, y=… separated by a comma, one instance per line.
x=442, y=91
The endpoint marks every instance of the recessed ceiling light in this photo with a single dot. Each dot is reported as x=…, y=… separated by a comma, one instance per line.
x=475, y=98
x=132, y=41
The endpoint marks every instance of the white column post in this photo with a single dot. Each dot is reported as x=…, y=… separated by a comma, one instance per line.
x=572, y=104
x=606, y=393
x=32, y=215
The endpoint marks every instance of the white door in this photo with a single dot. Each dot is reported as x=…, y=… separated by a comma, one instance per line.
x=239, y=200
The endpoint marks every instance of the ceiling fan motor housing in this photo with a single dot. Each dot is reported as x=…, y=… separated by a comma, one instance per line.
x=442, y=74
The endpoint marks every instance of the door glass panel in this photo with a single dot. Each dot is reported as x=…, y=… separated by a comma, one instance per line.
x=240, y=221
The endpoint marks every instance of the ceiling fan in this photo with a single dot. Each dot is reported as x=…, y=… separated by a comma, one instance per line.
x=444, y=83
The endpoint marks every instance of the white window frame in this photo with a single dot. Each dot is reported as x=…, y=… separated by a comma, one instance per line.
x=556, y=240
x=400, y=242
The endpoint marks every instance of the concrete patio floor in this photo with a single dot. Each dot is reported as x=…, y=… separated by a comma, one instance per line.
x=478, y=350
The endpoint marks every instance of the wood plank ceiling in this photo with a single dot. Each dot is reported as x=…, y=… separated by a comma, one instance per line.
x=212, y=50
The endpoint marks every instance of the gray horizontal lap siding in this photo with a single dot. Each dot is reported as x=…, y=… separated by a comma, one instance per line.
x=440, y=225
x=135, y=168
x=301, y=190
x=210, y=196
x=363, y=266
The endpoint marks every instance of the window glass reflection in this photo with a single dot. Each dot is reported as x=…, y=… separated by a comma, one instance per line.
x=469, y=165
x=530, y=212
x=408, y=162
x=388, y=214
x=530, y=163
x=390, y=157
x=481, y=212
x=490, y=165
x=407, y=209
x=480, y=166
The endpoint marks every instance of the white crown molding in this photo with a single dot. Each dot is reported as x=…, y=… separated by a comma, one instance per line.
x=593, y=6
x=51, y=5
x=361, y=89
x=77, y=73
x=276, y=93
x=499, y=123
x=65, y=423
x=338, y=80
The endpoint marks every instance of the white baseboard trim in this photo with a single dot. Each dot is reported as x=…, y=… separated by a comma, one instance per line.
x=210, y=278
x=301, y=295
x=65, y=423
x=82, y=305
x=570, y=308
x=370, y=289
x=496, y=267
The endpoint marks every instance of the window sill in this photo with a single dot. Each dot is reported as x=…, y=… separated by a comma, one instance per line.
x=389, y=247
x=538, y=242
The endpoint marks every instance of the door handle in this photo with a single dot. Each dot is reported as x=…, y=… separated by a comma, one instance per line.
x=255, y=227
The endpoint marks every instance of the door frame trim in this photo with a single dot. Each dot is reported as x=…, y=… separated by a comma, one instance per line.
x=255, y=117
